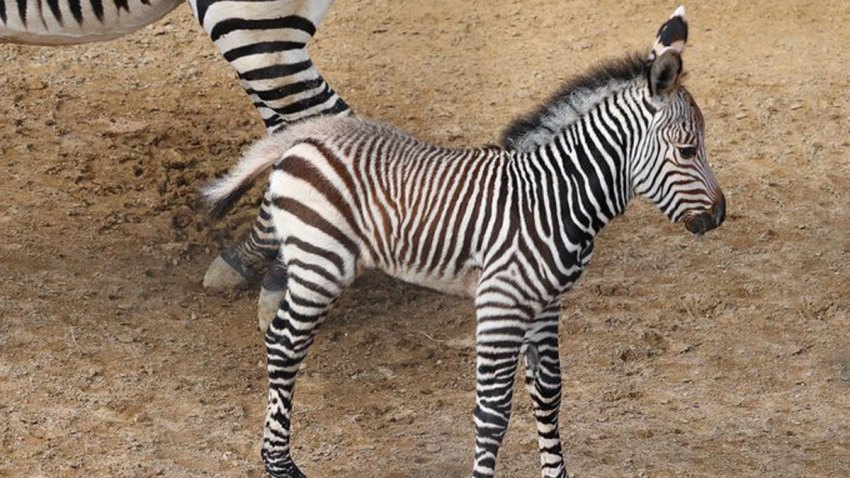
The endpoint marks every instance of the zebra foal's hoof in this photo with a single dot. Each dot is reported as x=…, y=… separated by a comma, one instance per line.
x=293, y=473
x=267, y=307
x=221, y=276
x=296, y=474
x=271, y=294
x=286, y=469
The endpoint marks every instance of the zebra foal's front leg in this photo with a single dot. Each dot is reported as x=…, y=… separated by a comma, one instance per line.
x=499, y=337
x=543, y=382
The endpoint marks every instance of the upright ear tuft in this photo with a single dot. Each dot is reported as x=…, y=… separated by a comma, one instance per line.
x=673, y=35
x=664, y=74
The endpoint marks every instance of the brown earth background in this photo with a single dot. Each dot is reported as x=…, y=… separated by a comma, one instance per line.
x=728, y=356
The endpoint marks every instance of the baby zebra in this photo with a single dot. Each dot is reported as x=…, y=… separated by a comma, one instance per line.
x=513, y=228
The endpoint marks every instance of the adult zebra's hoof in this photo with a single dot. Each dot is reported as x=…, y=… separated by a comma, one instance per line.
x=222, y=275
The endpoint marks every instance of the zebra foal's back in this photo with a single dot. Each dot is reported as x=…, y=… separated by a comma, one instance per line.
x=387, y=200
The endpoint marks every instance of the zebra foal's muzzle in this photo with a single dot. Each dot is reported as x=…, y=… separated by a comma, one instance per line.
x=702, y=222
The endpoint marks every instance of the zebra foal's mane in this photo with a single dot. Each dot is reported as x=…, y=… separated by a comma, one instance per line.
x=574, y=99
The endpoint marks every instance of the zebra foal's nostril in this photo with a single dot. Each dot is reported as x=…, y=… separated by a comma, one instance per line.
x=719, y=210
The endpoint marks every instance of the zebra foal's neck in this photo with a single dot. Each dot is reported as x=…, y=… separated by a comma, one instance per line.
x=574, y=151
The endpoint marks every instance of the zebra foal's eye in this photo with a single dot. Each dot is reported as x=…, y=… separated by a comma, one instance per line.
x=687, y=152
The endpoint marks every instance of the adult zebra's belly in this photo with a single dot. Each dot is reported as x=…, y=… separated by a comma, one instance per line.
x=66, y=22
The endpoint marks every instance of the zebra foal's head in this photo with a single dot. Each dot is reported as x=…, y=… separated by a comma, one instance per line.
x=671, y=169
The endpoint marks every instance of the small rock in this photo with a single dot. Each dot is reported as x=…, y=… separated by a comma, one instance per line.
x=385, y=372
x=36, y=84
x=461, y=343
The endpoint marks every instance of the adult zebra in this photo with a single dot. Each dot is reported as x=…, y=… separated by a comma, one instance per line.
x=512, y=227
x=263, y=40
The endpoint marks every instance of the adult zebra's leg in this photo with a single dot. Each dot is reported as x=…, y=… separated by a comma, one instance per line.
x=266, y=42
x=499, y=336
x=311, y=291
x=543, y=382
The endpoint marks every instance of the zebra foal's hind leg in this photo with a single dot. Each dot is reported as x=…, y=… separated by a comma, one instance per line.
x=313, y=287
x=244, y=262
x=543, y=382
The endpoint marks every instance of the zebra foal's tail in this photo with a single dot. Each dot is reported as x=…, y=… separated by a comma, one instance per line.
x=223, y=193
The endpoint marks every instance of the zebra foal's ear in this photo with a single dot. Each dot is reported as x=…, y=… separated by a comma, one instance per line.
x=673, y=35
x=664, y=74
x=665, y=58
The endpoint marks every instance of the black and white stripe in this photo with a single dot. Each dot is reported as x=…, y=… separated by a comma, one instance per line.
x=63, y=22
x=265, y=42
x=514, y=228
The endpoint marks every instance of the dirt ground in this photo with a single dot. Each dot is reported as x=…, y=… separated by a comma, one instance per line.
x=728, y=356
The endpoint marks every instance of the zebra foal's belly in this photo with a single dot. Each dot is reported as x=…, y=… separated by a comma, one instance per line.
x=65, y=22
x=462, y=284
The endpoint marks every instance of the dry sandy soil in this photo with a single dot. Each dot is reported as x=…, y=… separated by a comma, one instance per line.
x=728, y=356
